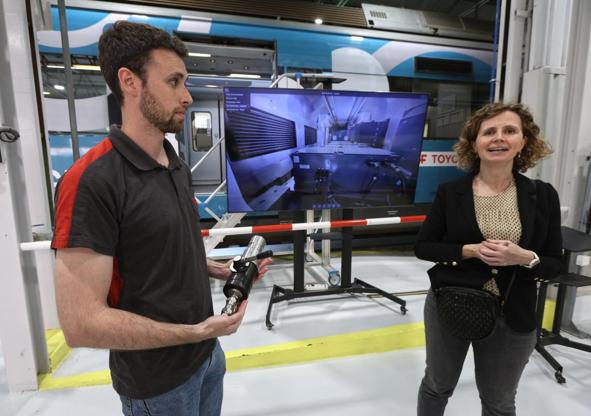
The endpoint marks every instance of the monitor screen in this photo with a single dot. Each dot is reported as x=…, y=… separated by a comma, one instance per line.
x=295, y=149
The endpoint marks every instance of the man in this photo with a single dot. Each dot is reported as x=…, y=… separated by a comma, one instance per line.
x=131, y=272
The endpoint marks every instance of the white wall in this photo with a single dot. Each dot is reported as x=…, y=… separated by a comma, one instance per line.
x=21, y=323
x=577, y=117
x=557, y=88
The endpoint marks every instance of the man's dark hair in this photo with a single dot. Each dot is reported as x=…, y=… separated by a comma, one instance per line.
x=128, y=45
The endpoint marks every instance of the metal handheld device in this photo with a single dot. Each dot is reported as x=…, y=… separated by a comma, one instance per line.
x=244, y=272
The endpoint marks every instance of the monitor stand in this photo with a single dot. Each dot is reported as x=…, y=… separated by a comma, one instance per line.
x=281, y=294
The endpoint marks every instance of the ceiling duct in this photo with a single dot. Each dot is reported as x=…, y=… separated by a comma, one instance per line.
x=294, y=10
x=222, y=56
x=423, y=22
x=225, y=60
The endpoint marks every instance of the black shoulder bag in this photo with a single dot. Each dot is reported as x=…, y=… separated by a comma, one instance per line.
x=467, y=313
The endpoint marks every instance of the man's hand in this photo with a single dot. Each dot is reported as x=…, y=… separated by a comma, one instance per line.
x=222, y=325
x=263, y=269
x=219, y=270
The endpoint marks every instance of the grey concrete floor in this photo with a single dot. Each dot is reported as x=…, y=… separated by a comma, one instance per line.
x=372, y=384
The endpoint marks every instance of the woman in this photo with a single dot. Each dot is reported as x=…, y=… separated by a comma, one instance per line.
x=483, y=229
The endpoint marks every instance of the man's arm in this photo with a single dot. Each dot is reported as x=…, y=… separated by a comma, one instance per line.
x=218, y=270
x=82, y=281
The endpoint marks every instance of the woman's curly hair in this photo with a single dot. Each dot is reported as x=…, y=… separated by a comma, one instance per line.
x=535, y=148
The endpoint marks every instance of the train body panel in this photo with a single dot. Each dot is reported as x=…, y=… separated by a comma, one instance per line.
x=368, y=63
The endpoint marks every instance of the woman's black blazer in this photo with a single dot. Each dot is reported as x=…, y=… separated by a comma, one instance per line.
x=451, y=223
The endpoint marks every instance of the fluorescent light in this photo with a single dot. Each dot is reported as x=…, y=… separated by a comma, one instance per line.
x=211, y=86
x=78, y=66
x=46, y=93
x=87, y=67
x=357, y=38
x=197, y=74
x=244, y=76
x=200, y=55
x=318, y=21
x=59, y=87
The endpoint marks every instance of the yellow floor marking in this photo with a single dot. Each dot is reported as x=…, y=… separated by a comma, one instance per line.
x=57, y=349
x=343, y=345
x=549, y=310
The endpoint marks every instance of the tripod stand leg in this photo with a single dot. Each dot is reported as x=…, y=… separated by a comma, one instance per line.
x=383, y=293
x=555, y=365
x=559, y=377
x=276, y=290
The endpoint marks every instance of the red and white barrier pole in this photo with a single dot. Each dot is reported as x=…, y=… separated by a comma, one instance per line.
x=275, y=228
x=261, y=229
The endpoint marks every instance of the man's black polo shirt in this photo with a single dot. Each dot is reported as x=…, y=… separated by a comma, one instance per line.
x=118, y=201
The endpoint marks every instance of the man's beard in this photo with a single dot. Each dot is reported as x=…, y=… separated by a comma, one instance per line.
x=156, y=115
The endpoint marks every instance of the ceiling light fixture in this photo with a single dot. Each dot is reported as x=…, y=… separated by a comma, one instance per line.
x=87, y=67
x=81, y=67
x=318, y=21
x=59, y=87
x=254, y=76
x=200, y=55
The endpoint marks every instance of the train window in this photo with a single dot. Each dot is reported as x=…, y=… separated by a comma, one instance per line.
x=201, y=130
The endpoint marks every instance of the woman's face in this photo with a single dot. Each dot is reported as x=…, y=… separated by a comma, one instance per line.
x=500, y=139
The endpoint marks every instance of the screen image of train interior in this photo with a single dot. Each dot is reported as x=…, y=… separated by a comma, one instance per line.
x=291, y=149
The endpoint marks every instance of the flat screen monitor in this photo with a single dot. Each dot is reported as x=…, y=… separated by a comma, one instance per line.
x=295, y=149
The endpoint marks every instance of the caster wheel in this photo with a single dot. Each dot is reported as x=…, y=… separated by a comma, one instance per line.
x=559, y=377
x=403, y=310
x=269, y=326
x=334, y=279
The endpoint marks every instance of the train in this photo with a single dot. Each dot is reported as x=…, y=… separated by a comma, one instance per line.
x=229, y=51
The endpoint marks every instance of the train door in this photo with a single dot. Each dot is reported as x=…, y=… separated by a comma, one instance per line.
x=203, y=129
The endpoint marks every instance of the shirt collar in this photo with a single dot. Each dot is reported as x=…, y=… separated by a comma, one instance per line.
x=136, y=156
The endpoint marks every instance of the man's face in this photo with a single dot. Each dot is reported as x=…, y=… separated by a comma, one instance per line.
x=165, y=98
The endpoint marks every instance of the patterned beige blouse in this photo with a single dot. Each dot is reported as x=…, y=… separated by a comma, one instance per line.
x=498, y=219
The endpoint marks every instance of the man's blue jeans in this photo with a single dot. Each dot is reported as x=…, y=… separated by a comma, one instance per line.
x=201, y=395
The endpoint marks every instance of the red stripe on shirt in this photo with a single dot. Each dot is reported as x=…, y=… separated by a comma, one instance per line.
x=116, y=284
x=67, y=193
